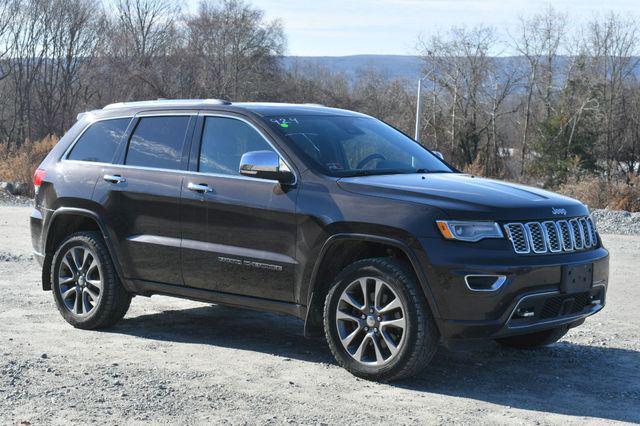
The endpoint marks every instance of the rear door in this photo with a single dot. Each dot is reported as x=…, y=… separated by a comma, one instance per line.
x=239, y=232
x=141, y=196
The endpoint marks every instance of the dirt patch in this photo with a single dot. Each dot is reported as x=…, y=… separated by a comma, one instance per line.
x=178, y=361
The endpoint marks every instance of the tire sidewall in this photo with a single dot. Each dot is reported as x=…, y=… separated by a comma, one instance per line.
x=344, y=358
x=78, y=241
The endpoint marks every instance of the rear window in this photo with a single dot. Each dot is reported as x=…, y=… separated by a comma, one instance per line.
x=157, y=142
x=100, y=141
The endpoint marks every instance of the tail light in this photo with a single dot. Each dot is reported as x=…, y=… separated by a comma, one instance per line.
x=38, y=177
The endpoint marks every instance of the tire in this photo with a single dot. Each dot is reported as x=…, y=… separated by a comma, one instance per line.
x=534, y=340
x=410, y=347
x=86, y=288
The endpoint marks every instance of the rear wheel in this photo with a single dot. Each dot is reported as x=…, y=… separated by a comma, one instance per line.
x=377, y=322
x=86, y=289
x=534, y=340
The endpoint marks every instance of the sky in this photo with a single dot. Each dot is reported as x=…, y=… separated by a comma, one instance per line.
x=351, y=27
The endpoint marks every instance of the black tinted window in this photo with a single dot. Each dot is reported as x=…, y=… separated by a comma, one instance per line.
x=224, y=141
x=100, y=141
x=157, y=142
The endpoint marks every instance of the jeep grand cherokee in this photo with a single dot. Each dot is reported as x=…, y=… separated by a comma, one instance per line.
x=328, y=215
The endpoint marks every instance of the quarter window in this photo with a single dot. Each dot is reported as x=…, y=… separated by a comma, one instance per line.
x=100, y=141
x=157, y=142
x=224, y=141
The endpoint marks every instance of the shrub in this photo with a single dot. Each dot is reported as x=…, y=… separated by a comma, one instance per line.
x=599, y=193
x=19, y=164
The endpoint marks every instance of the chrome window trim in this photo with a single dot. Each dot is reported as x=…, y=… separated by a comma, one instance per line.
x=261, y=133
x=90, y=122
x=189, y=172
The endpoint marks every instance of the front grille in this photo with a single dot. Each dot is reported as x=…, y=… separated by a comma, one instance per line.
x=552, y=236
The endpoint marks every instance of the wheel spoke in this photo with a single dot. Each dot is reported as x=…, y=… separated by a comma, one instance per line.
x=377, y=293
x=376, y=347
x=68, y=264
x=360, y=351
x=77, y=306
x=95, y=283
x=93, y=295
x=75, y=257
x=85, y=258
x=346, y=341
x=394, y=304
x=390, y=343
x=68, y=293
x=397, y=323
x=340, y=315
x=365, y=293
x=348, y=299
x=92, y=266
x=65, y=280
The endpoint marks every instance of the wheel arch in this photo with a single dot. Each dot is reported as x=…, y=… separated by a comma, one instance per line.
x=65, y=221
x=352, y=247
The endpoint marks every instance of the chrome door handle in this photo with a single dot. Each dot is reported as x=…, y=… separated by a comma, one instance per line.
x=198, y=187
x=114, y=178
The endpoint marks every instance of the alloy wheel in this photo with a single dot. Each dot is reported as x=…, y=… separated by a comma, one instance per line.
x=80, y=280
x=371, y=321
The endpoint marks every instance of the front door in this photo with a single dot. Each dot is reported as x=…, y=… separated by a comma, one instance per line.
x=238, y=232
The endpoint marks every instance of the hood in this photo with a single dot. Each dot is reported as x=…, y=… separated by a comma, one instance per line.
x=467, y=197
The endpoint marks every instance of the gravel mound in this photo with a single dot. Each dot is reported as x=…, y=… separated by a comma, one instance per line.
x=7, y=199
x=616, y=222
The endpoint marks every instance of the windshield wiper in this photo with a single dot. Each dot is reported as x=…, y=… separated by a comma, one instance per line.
x=373, y=172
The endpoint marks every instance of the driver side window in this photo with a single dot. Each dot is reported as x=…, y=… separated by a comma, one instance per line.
x=224, y=141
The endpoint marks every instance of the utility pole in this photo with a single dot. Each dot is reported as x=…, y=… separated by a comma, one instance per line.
x=419, y=106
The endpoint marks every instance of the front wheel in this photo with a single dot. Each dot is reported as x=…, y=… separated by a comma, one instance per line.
x=377, y=322
x=534, y=340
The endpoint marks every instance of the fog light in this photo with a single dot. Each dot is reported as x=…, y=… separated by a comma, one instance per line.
x=525, y=312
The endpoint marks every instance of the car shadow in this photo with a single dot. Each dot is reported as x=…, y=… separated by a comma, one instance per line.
x=567, y=378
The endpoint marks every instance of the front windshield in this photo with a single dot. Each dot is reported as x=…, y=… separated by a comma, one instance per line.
x=350, y=146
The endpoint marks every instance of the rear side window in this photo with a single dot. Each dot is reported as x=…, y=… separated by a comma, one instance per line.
x=224, y=141
x=157, y=142
x=100, y=141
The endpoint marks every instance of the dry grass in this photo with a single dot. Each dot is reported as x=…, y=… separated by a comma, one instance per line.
x=18, y=165
x=598, y=193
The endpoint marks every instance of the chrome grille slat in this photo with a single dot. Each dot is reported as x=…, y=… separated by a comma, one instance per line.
x=578, y=240
x=536, y=235
x=518, y=236
x=586, y=235
x=592, y=231
x=552, y=236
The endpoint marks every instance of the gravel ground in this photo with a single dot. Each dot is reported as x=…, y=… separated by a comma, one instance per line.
x=176, y=361
x=617, y=222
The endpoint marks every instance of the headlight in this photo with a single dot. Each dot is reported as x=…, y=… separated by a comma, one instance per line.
x=468, y=231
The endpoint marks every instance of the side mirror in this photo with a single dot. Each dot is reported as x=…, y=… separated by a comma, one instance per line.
x=265, y=165
x=438, y=154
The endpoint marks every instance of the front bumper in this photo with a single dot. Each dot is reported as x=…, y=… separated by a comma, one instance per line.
x=532, y=287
